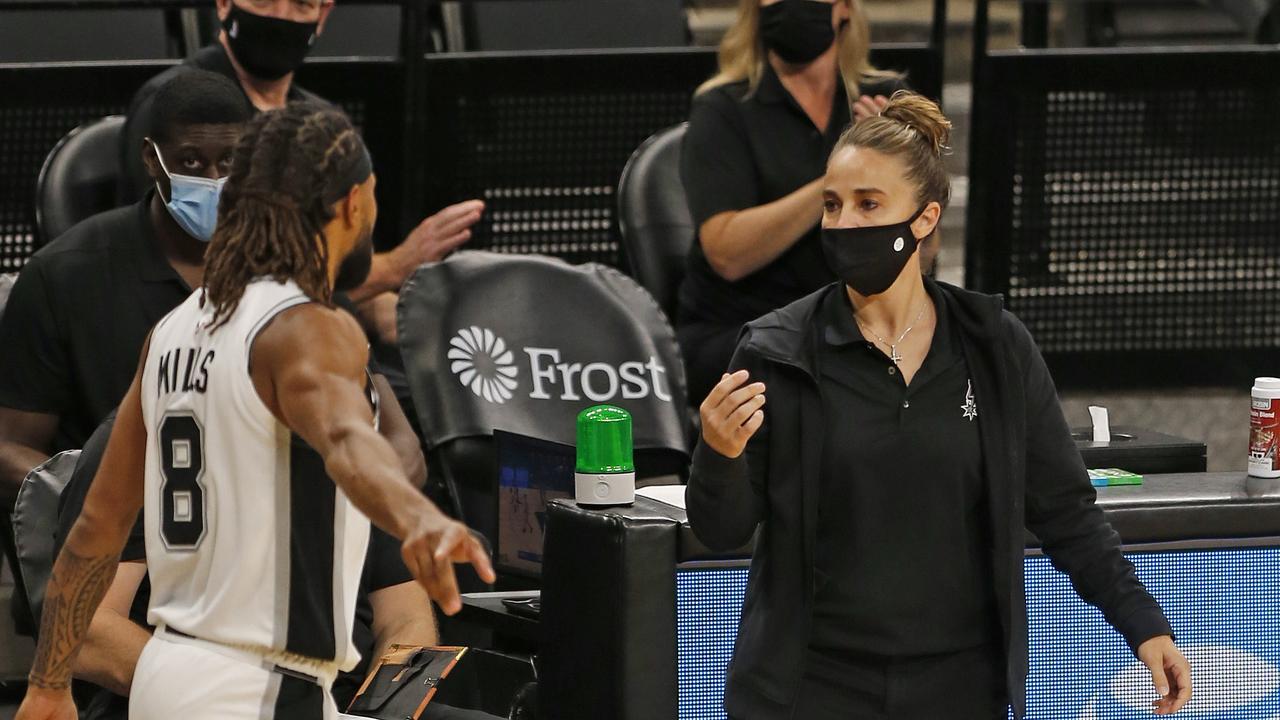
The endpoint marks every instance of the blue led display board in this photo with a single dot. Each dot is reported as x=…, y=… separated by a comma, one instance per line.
x=1224, y=604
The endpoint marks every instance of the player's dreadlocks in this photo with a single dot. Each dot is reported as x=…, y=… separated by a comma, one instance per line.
x=288, y=169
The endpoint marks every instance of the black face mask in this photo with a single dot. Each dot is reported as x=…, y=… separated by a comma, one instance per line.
x=267, y=47
x=355, y=267
x=798, y=30
x=870, y=259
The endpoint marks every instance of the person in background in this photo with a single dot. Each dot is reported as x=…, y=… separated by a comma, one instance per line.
x=793, y=74
x=912, y=435
x=260, y=45
x=83, y=304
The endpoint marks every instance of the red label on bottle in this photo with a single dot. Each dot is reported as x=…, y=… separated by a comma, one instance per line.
x=1264, y=434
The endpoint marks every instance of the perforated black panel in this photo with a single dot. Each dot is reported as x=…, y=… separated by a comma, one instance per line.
x=41, y=104
x=558, y=159
x=543, y=140
x=1140, y=204
x=1141, y=225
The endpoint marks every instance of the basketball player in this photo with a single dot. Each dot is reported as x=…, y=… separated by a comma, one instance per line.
x=254, y=554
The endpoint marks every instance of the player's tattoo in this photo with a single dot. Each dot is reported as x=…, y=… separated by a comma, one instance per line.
x=75, y=590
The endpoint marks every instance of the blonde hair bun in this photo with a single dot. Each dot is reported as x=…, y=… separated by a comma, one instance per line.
x=922, y=115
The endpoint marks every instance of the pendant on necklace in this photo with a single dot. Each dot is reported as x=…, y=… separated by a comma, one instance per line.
x=893, y=354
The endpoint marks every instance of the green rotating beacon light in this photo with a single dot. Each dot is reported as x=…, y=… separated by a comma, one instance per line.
x=606, y=474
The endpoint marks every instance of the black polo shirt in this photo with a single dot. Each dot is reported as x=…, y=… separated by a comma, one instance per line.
x=903, y=564
x=383, y=568
x=74, y=327
x=743, y=150
x=134, y=180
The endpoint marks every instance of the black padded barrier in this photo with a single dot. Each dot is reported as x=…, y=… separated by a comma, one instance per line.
x=542, y=137
x=1127, y=203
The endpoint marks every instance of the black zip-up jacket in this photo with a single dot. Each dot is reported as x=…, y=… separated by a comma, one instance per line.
x=1035, y=478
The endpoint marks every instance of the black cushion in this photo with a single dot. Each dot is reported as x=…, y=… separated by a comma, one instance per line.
x=657, y=229
x=79, y=177
x=35, y=523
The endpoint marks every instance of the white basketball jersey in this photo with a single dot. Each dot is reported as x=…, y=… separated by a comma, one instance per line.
x=249, y=543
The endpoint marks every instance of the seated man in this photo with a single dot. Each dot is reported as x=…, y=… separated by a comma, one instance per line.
x=261, y=44
x=81, y=308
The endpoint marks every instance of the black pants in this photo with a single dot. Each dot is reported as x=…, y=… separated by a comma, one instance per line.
x=968, y=685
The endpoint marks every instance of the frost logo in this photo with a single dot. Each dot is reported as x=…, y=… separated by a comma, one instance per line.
x=483, y=363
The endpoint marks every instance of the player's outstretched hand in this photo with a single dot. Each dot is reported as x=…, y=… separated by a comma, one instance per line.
x=432, y=548
x=40, y=704
x=1170, y=673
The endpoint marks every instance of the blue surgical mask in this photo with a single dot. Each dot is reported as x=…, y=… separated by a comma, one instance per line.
x=193, y=201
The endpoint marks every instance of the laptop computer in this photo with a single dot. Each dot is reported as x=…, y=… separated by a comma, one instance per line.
x=531, y=473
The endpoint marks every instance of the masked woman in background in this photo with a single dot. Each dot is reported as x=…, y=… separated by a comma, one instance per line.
x=793, y=75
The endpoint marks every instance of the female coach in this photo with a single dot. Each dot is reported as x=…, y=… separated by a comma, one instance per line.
x=793, y=73
x=912, y=432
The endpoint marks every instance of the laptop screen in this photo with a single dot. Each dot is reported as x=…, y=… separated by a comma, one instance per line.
x=531, y=473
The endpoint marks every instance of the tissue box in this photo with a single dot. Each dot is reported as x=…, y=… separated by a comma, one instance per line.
x=1144, y=452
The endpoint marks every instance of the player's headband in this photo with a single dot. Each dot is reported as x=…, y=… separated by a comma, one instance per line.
x=357, y=171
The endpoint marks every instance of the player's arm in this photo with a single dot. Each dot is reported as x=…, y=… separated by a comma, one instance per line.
x=319, y=394
x=402, y=614
x=114, y=642
x=395, y=427
x=87, y=564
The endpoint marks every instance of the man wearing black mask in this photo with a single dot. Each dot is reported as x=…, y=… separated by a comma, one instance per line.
x=260, y=45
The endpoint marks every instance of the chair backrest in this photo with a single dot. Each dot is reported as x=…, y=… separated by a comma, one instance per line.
x=6, y=286
x=523, y=344
x=79, y=177
x=653, y=216
x=35, y=521
x=18, y=609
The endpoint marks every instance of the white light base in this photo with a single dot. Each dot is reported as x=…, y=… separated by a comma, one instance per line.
x=605, y=489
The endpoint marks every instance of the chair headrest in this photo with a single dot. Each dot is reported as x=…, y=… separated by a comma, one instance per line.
x=653, y=215
x=650, y=191
x=524, y=343
x=35, y=521
x=79, y=177
x=6, y=287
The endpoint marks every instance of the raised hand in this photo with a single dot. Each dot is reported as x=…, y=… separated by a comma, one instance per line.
x=867, y=106
x=438, y=235
x=732, y=413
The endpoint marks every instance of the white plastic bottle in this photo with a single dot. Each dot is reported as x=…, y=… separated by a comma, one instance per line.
x=1264, y=428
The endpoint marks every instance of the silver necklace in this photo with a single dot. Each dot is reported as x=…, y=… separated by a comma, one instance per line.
x=893, y=346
